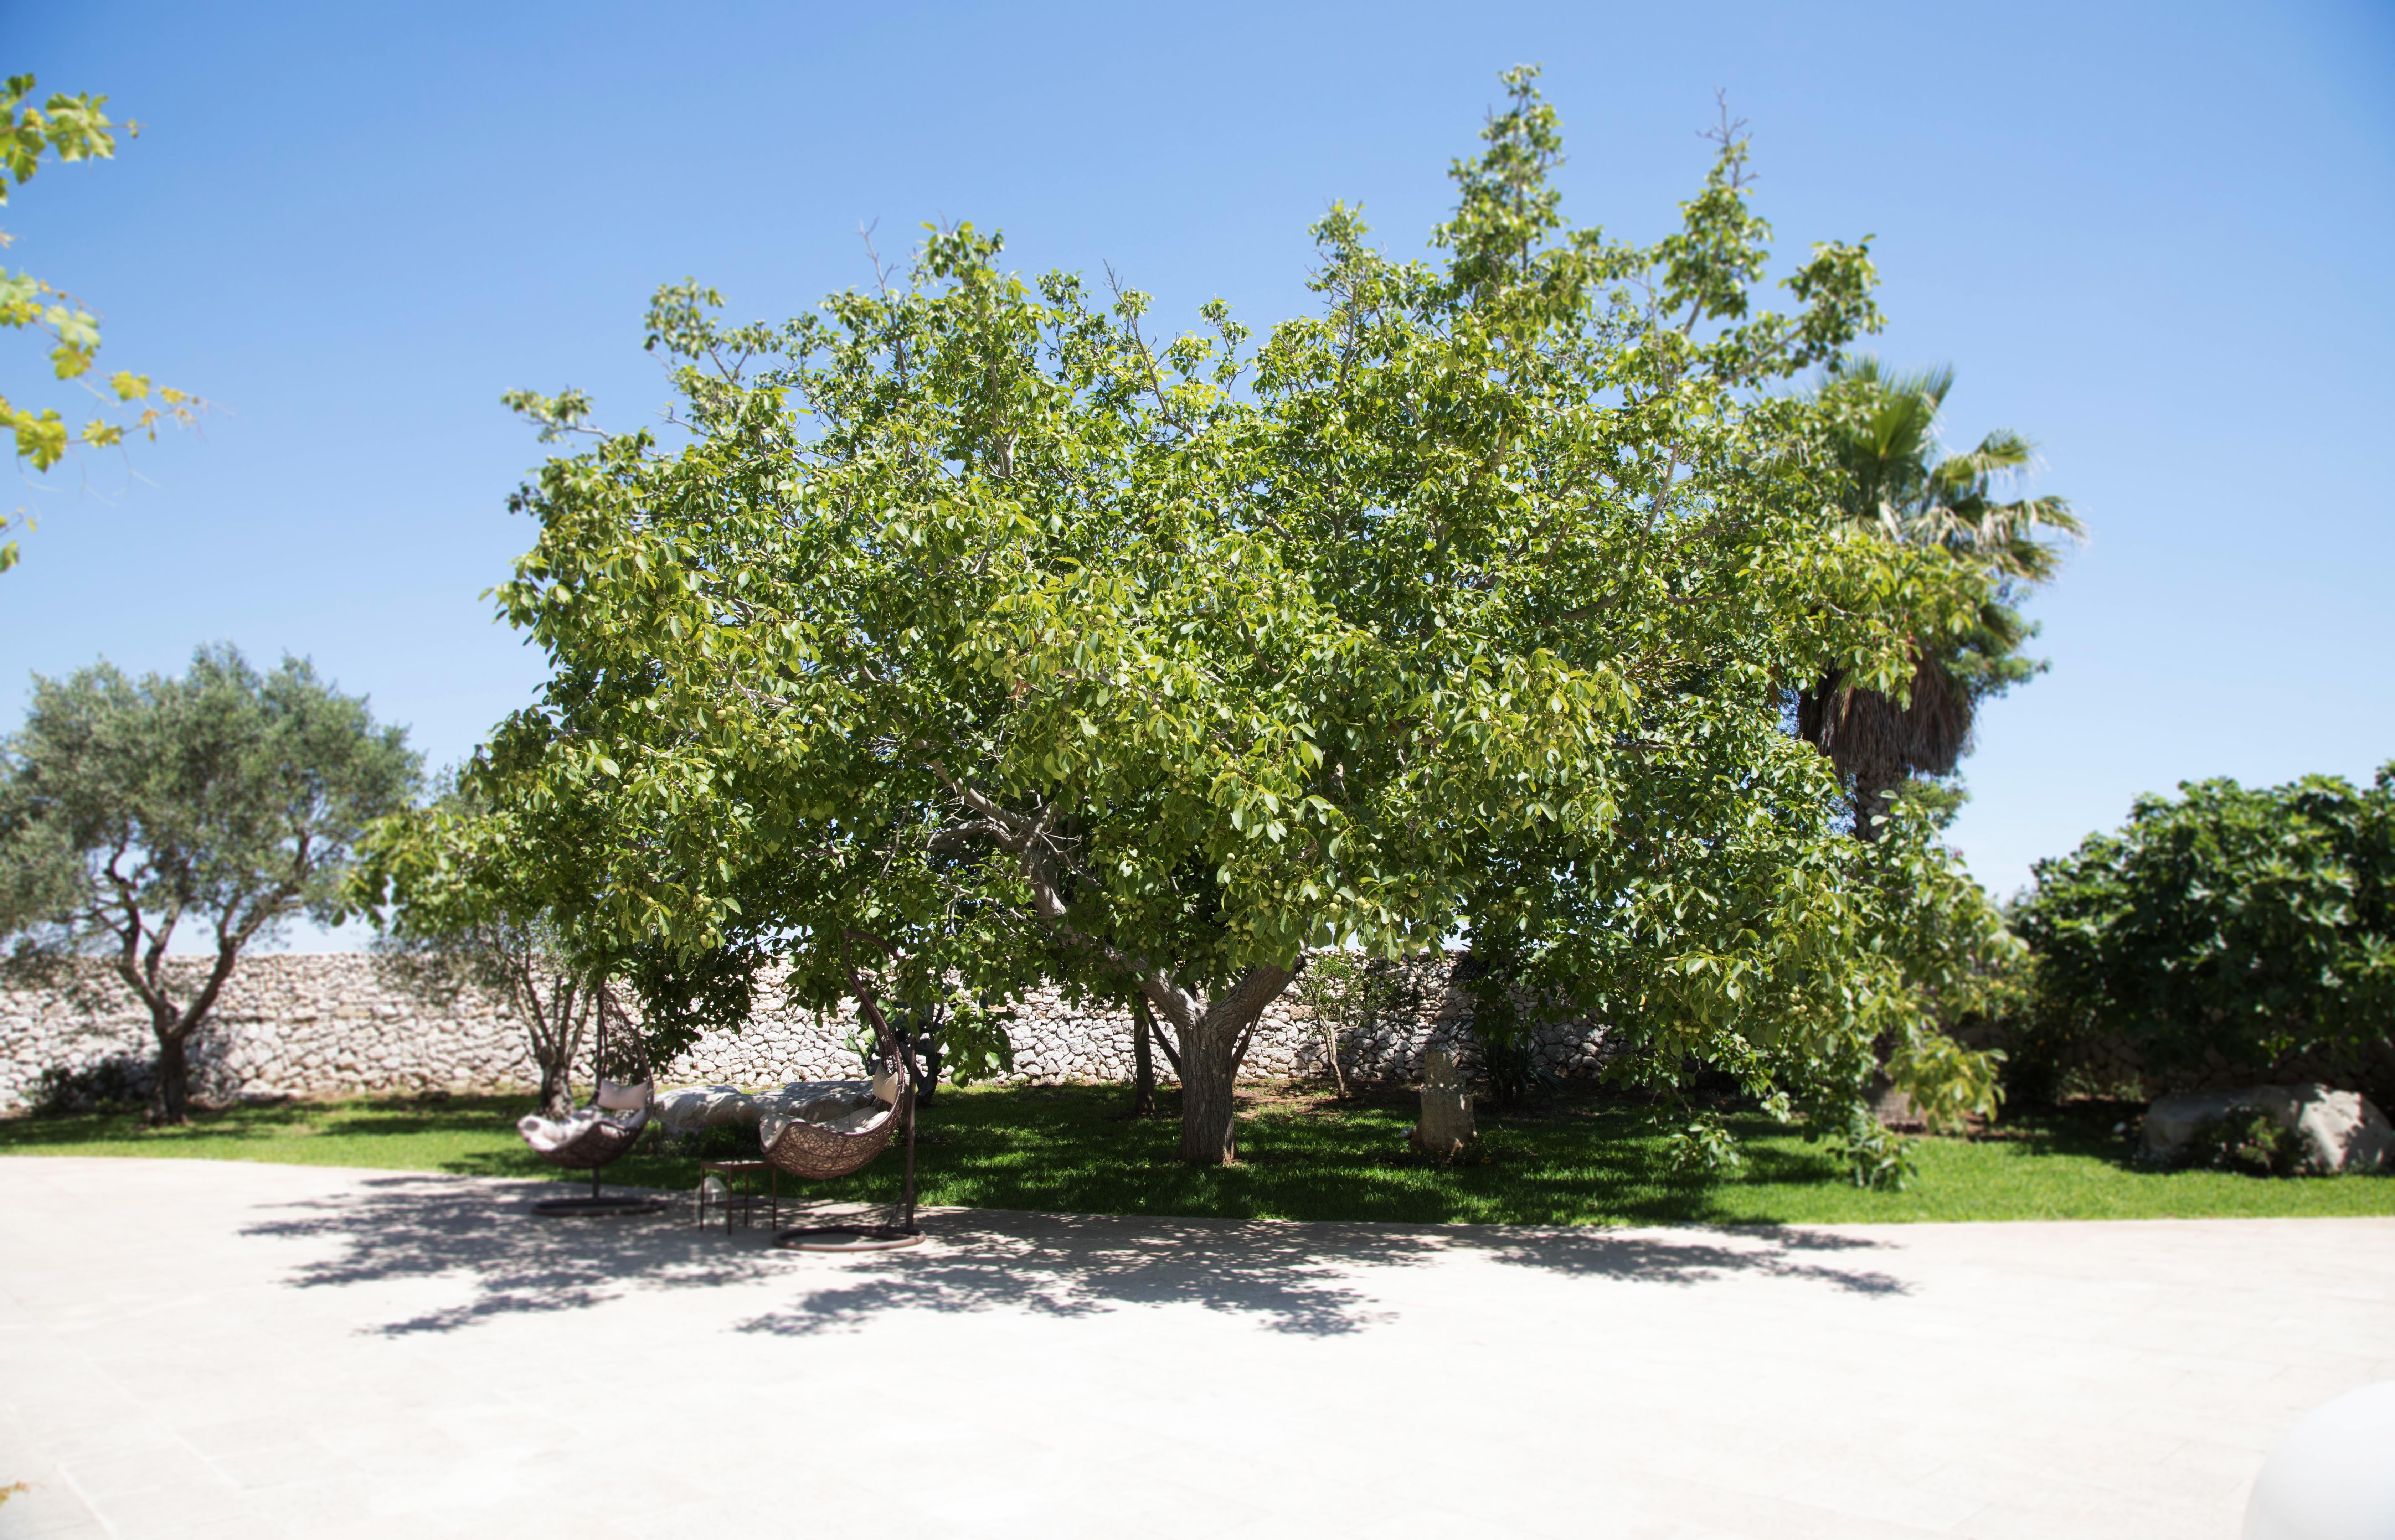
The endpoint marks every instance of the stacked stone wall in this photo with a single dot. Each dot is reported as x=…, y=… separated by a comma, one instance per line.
x=345, y=1024
x=287, y=1024
x=2110, y=1064
x=2113, y=1064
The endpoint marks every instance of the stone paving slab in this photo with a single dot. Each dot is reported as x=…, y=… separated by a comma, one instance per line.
x=199, y=1349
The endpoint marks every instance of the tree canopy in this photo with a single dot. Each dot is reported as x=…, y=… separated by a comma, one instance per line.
x=1897, y=484
x=224, y=797
x=975, y=637
x=2246, y=923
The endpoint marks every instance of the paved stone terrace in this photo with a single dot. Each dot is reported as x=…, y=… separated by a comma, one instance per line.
x=204, y=1348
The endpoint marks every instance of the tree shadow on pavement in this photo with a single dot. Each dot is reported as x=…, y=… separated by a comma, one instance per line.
x=405, y=1227
x=1310, y=1279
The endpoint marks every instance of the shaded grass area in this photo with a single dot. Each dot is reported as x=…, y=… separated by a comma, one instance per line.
x=1305, y=1156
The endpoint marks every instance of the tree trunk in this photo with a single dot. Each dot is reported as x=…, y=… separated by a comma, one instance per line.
x=552, y=1029
x=1210, y=1129
x=1142, y=1063
x=1213, y=1037
x=1871, y=805
x=1446, y=1126
x=1212, y=1046
x=170, y=1091
x=556, y=1088
x=170, y=1088
x=552, y=1035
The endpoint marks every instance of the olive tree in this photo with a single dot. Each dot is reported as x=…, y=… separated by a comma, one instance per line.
x=225, y=799
x=976, y=638
x=455, y=909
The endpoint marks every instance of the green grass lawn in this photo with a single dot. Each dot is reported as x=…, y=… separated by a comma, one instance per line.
x=1068, y=1150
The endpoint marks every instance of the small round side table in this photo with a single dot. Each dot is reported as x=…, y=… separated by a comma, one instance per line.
x=737, y=1200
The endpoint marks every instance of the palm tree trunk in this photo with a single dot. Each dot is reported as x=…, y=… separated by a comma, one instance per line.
x=1871, y=807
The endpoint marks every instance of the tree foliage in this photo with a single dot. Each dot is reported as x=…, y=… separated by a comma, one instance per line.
x=452, y=913
x=2251, y=923
x=975, y=638
x=67, y=129
x=224, y=798
x=1896, y=484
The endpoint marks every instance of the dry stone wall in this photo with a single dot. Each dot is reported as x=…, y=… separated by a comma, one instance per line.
x=2114, y=1064
x=339, y=1023
x=2111, y=1065
x=287, y=1024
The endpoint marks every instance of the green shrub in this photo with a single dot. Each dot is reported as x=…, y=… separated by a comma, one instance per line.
x=2248, y=1140
x=114, y=1084
x=725, y=1142
x=2254, y=925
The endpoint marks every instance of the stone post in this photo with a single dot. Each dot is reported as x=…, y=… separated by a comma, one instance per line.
x=1446, y=1126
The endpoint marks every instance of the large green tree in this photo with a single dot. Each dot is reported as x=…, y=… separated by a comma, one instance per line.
x=65, y=129
x=131, y=808
x=974, y=637
x=1894, y=483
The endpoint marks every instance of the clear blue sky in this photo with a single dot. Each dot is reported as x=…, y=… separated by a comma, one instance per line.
x=2153, y=237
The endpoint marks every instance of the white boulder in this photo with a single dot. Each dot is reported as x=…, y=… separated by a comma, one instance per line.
x=696, y=1107
x=2338, y=1130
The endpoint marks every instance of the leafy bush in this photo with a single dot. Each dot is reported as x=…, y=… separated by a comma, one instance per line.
x=724, y=1141
x=1948, y=1083
x=1509, y=1055
x=2248, y=1140
x=1698, y=1143
x=1799, y=986
x=116, y=1083
x=2251, y=924
x=1349, y=992
x=1511, y=1061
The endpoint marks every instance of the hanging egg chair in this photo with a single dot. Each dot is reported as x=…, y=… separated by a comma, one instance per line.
x=826, y=1148
x=622, y=1092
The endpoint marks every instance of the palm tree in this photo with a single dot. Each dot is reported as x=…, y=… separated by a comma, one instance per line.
x=1895, y=484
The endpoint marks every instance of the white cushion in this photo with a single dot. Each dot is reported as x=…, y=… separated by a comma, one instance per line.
x=548, y=1136
x=622, y=1098
x=840, y=1104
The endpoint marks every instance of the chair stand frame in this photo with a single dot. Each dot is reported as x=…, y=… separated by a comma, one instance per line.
x=597, y=1206
x=597, y=1147
x=859, y=1237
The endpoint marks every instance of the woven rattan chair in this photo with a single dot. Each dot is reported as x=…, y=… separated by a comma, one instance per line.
x=820, y=1153
x=622, y=1057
